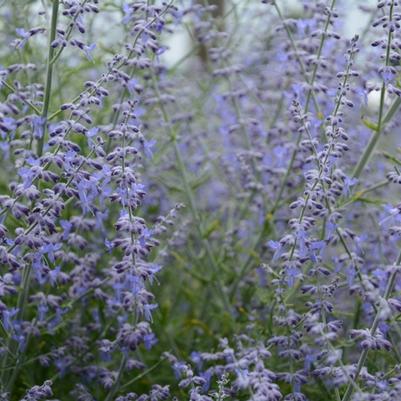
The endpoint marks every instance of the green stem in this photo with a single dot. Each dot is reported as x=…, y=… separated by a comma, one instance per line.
x=319, y=52
x=311, y=92
x=52, y=59
x=306, y=109
x=391, y=111
x=116, y=384
x=29, y=103
x=373, y=140
x=367, y=153
x=362, y=359
x=143, y=374
x=49, y=75
x=23, y=295
x=199, y=226
x=24, y=290
x=192, y=205
x=359, y=195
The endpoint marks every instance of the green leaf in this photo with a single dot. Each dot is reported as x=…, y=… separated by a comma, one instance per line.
x=199, y=181
x=369, y=200
x=213, y=226
x=371, y=125
x=392, y=158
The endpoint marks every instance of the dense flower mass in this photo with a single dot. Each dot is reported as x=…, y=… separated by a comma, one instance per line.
x=199, y=200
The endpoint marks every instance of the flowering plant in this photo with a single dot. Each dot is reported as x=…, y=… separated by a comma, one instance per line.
x=221, y=225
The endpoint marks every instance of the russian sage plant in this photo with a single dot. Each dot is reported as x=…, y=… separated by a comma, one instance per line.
x=223, y=224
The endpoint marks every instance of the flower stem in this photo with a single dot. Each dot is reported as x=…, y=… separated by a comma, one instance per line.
x=116, y=384
x=49, y=76
x=375, y=324
x=306, y=109
x=217, y=282
x=367, y=153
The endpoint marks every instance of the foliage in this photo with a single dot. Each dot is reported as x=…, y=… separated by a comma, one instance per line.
x=224, y=226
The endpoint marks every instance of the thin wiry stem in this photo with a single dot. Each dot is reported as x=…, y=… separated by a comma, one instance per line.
x=277, y=201
x=306, y=109
x=26, y=101
x=309, y=81
x=192, y=205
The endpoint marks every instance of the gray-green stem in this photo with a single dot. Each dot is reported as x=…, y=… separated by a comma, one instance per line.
x=49, y=76
x=192, y=205
x=362, y=359
x=367, y=153
x=306, y=109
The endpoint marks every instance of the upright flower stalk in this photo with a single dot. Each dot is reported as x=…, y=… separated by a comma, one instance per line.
x=49, y=76
x=24, y=291
x=372, y=330
x=310, y=95
x=385, y=72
